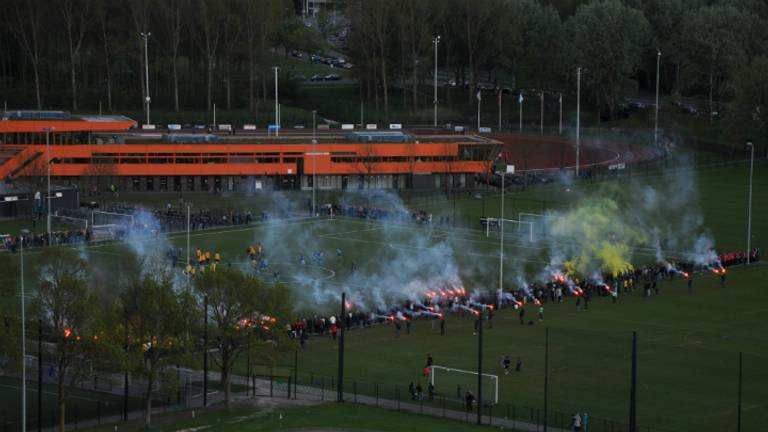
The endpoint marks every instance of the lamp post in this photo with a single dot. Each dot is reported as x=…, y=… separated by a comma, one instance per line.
x=147, y=99
x=656, y=120
x=541, y=128
x=277, y=109
x=48, y=175
x=188, y=229
x=520, y=103
x=578, y=117
x=314, y=162
x=23, y=342
x=435, y=42
x=749, y=206
x=560, y=124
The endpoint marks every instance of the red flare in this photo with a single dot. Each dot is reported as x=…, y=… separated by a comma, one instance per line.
x=77, y=338
x=538, y=302
x=391, y=318
x=96, y=338
x=477, y=312
x=686, y=274
x=440, y=315
x=490, y=307
x=67, y=333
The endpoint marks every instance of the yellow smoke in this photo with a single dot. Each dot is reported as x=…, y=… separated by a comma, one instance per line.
x=597, y=237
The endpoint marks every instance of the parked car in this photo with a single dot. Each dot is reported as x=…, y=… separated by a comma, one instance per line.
x=316, y=77
x=332, y=77
x=297, y=54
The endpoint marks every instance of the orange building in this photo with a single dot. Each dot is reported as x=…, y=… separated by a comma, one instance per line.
x=82, y=148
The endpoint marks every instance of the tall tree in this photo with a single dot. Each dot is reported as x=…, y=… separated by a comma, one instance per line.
x=75, y=14
x=173, y=11
x=610, y=60
x=211, y=16
x=714, y=42
x=25, y=26
x=238, y=305
x=71, y=310
x=154, y=311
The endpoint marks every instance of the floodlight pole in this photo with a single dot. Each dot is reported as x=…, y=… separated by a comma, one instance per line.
x=501, y=228
x=656, y=120
x=314, y=162
x=546, y=377
x=436, y=42
x=277, y=118
x=578, y=117
x=205, y=352
x=542, y=113
x=48, y=166
x=749, y=206
x=23, y=342
x=520, y=104
x=480, y=368
x=340, y=386
x=560, y=124
x=188, y=229
x=147, y=99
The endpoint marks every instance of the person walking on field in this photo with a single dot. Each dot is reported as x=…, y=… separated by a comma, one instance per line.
x=522, y=315
x=576, y=424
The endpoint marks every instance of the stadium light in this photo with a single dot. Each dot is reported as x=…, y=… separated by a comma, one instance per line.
x=656, y=120
x=23, y=342
x=436, y=42
x=48, y=175
x=277, y=108
x=147, y=99
x=749, y=206
x=314, y=162
x=578, y=116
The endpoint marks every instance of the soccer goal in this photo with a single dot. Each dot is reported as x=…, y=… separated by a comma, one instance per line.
x=71, y=221
x=540, y=221
x=511, y=227
x=454, y=383
x=100, y=217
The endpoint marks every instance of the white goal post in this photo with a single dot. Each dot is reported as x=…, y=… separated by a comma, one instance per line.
x=515, y=226
x=101, y=217
x=466, y=378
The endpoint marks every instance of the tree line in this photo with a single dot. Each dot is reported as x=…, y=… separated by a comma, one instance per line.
x=72, y=53
x=708, y=47
x=148, y=323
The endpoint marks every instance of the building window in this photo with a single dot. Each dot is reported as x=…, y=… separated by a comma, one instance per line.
x=177, y=183
x=150, y=183
x=136, y=183
x=163, y=183
x=190, y=183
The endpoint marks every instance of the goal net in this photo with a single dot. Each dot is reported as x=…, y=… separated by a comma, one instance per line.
x=540, y=222
x=512, y=228
x=454, y=383
x=61, y=220
x=100, y=217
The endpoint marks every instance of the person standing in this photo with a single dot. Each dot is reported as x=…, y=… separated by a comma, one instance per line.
x=506, y=363
x=541, y=313
x=576, y=422
x=522, y=315
x=429, y=360
x=519, y=365
x=442, y=326
x=585, y=422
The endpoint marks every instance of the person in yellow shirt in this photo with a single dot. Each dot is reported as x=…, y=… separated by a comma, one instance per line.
x=217, y=257
x=208, y=256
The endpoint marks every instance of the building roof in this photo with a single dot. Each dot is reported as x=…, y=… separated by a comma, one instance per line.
x=61, y=121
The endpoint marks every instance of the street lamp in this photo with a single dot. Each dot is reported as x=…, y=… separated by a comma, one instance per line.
x=578, y=116
x=656, y=121
x=277, y=108
x=560, y=124
x=48, y=175
x=23, y=342
x=541, y=129
x=435, y=42
x=749, y=206
x=147, y=99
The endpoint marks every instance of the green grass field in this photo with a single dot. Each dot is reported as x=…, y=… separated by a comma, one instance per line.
x=81, y=405
x=688, y=343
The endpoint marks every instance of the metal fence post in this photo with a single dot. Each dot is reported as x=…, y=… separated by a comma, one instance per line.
x=377, y=395
x=354, y=390
x=322, y=388
x=270, y=385
x=289, y=387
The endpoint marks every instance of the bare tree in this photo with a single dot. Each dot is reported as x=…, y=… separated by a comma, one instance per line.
x=211, y=17
x=75, y=14
x=26, y=28
x=172, y=13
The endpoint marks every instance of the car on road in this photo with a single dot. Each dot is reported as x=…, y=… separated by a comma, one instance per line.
x=316, y=77
x=332, y=77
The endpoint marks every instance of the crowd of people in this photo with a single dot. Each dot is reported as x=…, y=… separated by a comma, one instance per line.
x=388, y=215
